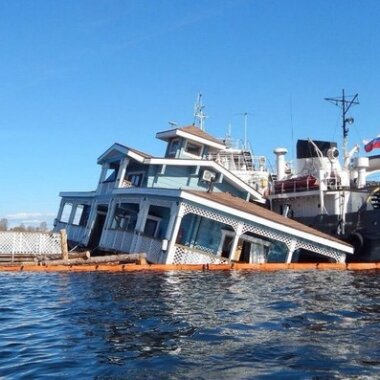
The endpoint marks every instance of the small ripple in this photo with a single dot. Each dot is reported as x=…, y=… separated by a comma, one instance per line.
x=190, y=325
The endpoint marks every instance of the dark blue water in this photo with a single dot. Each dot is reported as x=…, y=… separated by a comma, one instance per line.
x=190, y=325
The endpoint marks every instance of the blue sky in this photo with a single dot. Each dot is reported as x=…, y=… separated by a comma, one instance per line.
x=77, y=76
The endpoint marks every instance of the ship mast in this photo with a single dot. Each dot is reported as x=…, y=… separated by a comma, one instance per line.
x=345, y=102
x=199, y=116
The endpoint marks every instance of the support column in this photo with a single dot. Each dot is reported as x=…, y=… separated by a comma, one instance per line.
x=174, y=234
x=173, y=215
x=91, y=221
x=342, y=258
x=72, y=212
x=291, y=249
x=140, y=224
x=110, y=214
x=121, y=172
x=59, y=216
x=238, y=233
x=103, y=173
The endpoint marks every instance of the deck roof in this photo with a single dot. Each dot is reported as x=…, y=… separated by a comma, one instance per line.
x=229, y=200
x=191, y=130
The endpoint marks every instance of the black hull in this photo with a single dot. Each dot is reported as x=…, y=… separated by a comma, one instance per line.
x=362, y=230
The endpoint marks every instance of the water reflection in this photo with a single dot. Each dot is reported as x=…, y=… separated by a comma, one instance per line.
x=190, y=325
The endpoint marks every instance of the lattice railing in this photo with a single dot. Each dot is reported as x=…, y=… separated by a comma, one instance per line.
x=271, y=233
x=30, y=243
x=187, y=255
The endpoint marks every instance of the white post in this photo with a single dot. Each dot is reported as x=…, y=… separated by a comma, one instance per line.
x=173, y=215
x=140, y=224
x=291, y=249
x=238, y=233
x=174, y=234
x=121, y=172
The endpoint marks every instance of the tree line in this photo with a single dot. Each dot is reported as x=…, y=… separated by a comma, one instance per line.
x=4, y=226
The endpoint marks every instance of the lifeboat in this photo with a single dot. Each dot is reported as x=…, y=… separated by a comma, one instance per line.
x=301, y=183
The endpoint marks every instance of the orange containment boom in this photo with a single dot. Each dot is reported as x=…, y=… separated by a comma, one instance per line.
x=268, y=267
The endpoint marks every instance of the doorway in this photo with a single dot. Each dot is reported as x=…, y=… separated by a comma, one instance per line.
x=96, y=233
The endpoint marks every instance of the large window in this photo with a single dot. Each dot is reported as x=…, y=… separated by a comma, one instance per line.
x=81, y=215
x=112, y=173
x=193, y=149
x=66, y=212
x=125, y=216
x=174, y=145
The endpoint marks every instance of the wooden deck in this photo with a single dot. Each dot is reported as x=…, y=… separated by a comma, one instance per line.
x=207, y=267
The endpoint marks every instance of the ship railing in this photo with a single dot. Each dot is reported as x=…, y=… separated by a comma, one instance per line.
x=239, y=161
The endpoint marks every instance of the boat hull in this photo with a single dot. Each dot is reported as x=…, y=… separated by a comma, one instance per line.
x=362, y=230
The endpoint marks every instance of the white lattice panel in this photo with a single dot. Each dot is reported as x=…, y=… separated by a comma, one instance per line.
x=191, y=209
x=289, y=239
x=30, y=243
x=184, y=255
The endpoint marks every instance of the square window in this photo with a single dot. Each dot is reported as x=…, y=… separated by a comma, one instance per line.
x=174, y=146
x=193, y=149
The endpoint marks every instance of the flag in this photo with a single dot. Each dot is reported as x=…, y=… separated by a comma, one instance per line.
x=373, y=144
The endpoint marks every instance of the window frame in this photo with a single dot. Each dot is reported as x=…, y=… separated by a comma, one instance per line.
x=200, y=146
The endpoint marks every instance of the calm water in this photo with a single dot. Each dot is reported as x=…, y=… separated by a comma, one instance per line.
x=190, y=325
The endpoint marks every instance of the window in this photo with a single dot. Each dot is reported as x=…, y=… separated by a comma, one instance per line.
x=81, y=215
x=151, y=226
x=193, y=149
x=135, y=179
x=65, y=216
x=125, y=216
x=174, y=145
x=111, y=173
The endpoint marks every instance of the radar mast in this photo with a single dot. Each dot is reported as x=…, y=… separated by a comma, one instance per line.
x=345, y=102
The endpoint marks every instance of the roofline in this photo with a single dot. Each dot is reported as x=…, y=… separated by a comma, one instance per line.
x=207, y=163
x=268, y=223
x=189, y=196
x=130, y=152
x=165, y=135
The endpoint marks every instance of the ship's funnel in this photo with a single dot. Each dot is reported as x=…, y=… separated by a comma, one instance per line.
x=280, y=161
x=362, y=164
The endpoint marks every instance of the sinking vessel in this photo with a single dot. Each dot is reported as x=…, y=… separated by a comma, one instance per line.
x=330, y=190
x=203, y=202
